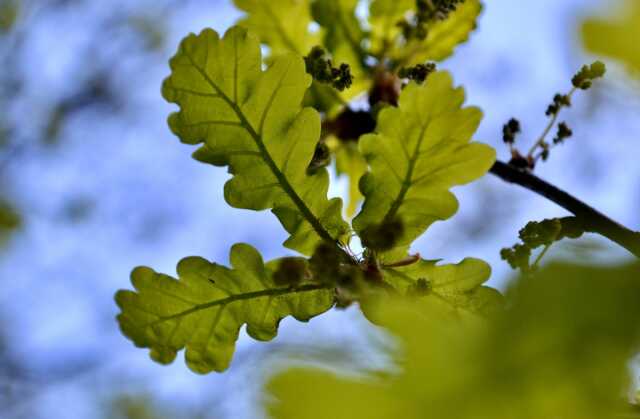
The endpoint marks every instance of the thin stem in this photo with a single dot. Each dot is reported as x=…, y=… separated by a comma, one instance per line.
x=540, y=256
x=550, y=125
x=592, y=220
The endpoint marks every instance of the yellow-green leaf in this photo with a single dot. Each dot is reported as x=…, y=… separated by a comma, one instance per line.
x=252, y=121
x=350, y=162
x=460, y=285
x=383, y=18
x=443, y=36
x=203, y=310
x=343, y=37
x=281, y=24
x=420, y=150
x=616, y=38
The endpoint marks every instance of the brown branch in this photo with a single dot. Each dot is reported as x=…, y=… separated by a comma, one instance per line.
x=593, y=221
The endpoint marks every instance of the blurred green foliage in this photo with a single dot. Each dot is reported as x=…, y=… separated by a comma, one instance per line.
x=133, y=407
x=616, y=37
x=560, y=349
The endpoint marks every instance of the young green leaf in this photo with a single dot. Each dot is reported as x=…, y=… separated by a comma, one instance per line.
x=459, y=285
x=343, y=34
x=384, y=16
x=281, y=24
x=252, y=121
x=442, y=35
x=204, y=309
x=343, y=37
x=349, y=162
x=421, y=149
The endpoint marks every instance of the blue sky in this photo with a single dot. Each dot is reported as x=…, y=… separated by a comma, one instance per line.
x=143, y=201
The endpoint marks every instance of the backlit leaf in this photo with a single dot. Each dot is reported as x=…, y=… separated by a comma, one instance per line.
x=350, y=162
x=281, y=24
x=443, y=36
x=203, y=310
x=420, y=150
x=252, y=121
x=383, y=17
x=343, y=37
x=459, y=285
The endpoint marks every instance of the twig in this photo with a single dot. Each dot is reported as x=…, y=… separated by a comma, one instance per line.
x=552, y=122
x=593, y=220
x=540, y=256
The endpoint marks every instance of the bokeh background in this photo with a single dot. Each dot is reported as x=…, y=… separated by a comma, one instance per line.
x=95, y=184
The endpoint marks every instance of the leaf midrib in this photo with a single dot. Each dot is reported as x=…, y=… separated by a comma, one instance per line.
x=282, y=179
x=406, y=184
x=273, y=292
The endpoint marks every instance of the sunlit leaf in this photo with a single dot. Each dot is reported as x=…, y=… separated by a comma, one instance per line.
x=284, y=26
x=443, y=36
x=559, y=350
x=203, y=310
x=343, y=37
x=281, y=24
x=350, y=162
x=383, y=17
x=420, y=150
x=252, y=121
x=616, y=37
x=459, y=285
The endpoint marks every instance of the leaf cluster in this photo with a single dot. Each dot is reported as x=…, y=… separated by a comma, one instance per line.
x=275, y=122
x=251, y=118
